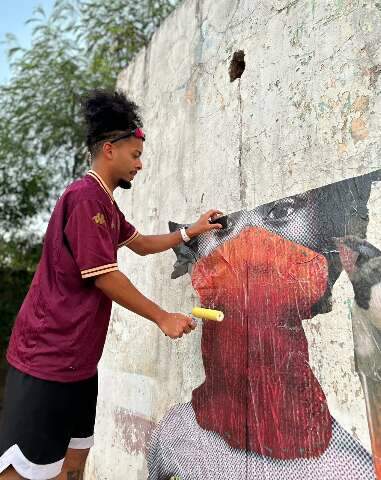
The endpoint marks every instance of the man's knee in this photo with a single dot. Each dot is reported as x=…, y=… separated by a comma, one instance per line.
x=76, y=456
x=74, y=464
x=10, y=474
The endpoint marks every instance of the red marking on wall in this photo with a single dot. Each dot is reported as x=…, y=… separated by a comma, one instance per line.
x=132, y=431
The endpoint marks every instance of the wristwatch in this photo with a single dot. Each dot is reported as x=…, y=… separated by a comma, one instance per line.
x=184, y=235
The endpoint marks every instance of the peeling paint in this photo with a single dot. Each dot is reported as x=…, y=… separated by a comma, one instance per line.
x=359, y=130
x=361, y=104
x=131, y=431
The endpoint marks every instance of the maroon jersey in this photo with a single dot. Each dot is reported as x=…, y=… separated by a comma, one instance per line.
x=61, y=327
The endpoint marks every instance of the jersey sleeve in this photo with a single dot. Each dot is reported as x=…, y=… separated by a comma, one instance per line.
x=88, y=234
x=127, y=232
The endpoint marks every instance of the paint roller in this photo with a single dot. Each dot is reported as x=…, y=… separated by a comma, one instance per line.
x=207, y=314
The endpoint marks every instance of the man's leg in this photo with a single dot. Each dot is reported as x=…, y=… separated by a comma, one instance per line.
x=10, y=474
x=73, y=466
x=84, y=405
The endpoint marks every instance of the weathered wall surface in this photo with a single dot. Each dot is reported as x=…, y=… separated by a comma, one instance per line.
x=305, y=113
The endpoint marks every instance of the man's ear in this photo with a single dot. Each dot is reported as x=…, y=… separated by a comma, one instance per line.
x=186, y=254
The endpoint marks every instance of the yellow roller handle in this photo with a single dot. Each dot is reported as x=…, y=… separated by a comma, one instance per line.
x=208, y=314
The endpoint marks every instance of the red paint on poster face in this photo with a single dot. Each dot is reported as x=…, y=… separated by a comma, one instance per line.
x=260, y=393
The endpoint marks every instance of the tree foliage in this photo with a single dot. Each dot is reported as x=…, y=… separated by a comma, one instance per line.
x=18, y=260
x=82, y=44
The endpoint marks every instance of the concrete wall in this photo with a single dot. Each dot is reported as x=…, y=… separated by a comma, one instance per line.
x=305, y=113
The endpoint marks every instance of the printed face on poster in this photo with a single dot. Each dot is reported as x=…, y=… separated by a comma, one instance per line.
x=261, y=411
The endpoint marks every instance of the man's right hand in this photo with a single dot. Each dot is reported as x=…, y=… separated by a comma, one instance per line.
x=174, y=325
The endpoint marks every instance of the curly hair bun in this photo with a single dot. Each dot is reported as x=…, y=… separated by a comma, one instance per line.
x=107, y=112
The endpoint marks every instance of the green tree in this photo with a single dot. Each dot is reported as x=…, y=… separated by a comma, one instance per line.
x=82, y=44
x=18, y=260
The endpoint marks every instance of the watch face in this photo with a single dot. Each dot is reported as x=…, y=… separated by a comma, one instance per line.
x=184, y=234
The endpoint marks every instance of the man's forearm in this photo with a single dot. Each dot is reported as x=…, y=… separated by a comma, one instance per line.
x=119, y=289
x=116, y=286
x=148, y=244
x=161, y=243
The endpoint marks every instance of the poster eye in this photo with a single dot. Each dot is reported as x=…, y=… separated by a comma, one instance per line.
x=281, y=211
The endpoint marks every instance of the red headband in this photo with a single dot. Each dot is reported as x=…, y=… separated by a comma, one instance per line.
x=137, y=133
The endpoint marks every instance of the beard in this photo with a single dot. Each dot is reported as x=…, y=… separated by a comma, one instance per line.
x=125, y=184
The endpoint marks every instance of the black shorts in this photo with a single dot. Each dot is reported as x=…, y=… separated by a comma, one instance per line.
x=41, y=420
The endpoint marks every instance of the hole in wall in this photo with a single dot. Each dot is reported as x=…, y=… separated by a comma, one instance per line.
x=237, y=65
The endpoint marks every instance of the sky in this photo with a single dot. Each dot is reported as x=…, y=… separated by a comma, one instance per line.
x=14, y=14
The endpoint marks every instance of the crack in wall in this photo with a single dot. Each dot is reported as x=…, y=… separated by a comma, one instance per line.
x=288, y=6
x=242, y=180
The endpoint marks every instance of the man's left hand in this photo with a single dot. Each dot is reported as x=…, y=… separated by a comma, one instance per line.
x=203, y=224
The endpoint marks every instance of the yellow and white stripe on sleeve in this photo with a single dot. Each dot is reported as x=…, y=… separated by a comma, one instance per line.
x=92, y=272
x=129, y=240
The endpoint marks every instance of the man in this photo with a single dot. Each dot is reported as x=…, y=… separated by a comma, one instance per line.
x=50, y=401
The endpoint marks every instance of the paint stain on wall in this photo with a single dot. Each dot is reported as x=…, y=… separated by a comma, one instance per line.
x=359, y=130
x=361, y=104
x=132, y=432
